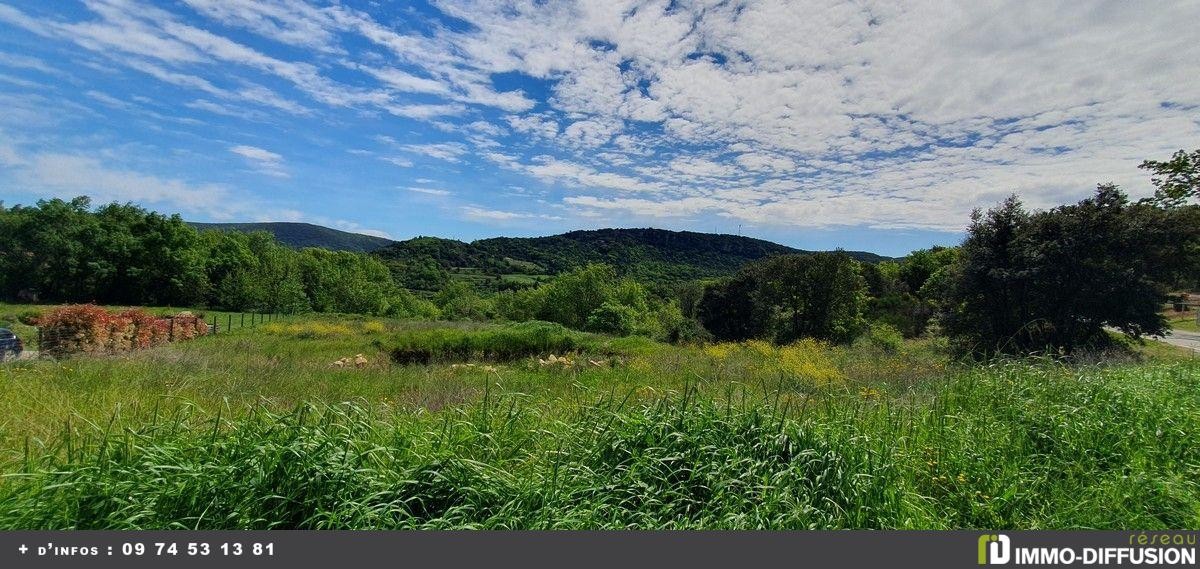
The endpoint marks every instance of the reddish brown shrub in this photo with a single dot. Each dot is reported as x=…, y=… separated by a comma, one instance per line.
x=186, y=326
x=89, y=329
x=80, y=328
x=149, y=331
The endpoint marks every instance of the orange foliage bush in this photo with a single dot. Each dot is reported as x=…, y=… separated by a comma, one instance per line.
x=81, y=328
x=186, y=326
x=148, y=330
x=89, y=329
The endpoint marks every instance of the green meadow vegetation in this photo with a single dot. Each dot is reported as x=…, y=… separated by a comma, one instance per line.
x=1185, y=321
x=1003, y=383
x=256, y=429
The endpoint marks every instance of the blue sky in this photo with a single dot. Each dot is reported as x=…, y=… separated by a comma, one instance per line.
x=855, y=124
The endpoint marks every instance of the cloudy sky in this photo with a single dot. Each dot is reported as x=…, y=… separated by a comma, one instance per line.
x=856, y=124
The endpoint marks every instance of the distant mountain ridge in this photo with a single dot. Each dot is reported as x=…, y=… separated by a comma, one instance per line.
x=655, y=255
x=300, y=235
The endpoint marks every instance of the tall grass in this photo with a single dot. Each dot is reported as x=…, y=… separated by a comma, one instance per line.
x=1013, y=445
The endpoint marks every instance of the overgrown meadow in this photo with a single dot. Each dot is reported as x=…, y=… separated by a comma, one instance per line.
x=532, y=426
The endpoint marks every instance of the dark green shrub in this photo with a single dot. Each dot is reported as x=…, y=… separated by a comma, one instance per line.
x=613, y=318
x=789, y=297
x=504, y=343
x=884, y=337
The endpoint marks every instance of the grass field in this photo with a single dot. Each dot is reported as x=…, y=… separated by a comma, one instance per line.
x=1183, y=321
x=258, y=428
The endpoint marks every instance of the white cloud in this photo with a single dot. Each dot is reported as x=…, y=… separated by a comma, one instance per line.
x=428, y=191
x=591, y=132
x=64, y=175
x=700, y=167
x=424, y=111
x=477, y=213
x=813, y=114
x=760, y=162
x=533, y=125
x=448, y=151
x=397, y=161
x=292, y=23
x=226, y=110
x=25, y=62
x=264, y=161
x=551, y=169
x=9, y=156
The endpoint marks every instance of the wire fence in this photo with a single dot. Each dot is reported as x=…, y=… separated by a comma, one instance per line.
x=222, y=322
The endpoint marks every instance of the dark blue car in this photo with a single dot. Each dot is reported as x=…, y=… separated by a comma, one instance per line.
x=10, y=344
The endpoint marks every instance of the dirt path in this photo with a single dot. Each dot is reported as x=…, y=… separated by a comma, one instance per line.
x=1190, y=340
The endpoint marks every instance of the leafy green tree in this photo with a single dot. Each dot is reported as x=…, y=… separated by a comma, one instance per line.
x=813, y=296
x=902, y=311
x=614, y=318
x=590, y=298
x=896, y=289
x=49, y=245
x=571, y=297
x=404, y=304
x=122, y=254
x=789, y=297
x=916, y=267
x=63, y=251
x=276, y=284
x=729, y=309
x=142, y=257
x=460, y=301
x=1177, y=180
x=342, y=281
x=1055, y=279
x=883, y=278
x=419, y=273
x=227, y=262
x=519, y=305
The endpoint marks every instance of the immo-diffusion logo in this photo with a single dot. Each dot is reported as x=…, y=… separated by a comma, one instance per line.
x=1143, y=549
x=995, y=549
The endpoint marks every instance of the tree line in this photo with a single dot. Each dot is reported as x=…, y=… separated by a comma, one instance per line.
x=1022, y=281
x=66, y=251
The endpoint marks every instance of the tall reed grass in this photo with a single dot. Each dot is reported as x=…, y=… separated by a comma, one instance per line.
x=1013, y=445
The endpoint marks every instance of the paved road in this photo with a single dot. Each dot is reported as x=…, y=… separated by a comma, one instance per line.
x=1190, y=340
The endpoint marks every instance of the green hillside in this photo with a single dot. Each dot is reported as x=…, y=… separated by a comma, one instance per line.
x=299, y=235
x=653, y=255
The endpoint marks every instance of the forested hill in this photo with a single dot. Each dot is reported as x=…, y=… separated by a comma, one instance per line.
x=652, y=254
x=300, y=235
